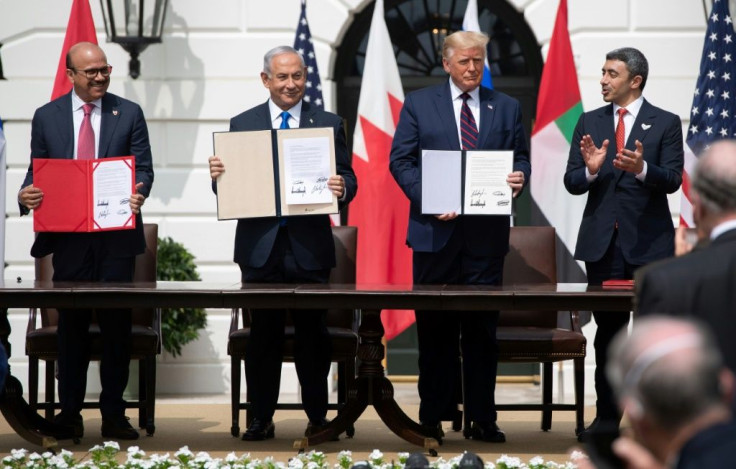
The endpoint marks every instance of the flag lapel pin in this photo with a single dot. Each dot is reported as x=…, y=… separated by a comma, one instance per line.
x=114, y=112
x=646, y=126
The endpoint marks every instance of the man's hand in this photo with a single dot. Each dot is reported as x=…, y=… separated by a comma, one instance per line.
x=631, y=161
x=446, y=216
x=592, y=155
x=515, y=181
x=30, y=197
x=137, y=200
x=335, y=183
x=216, y=167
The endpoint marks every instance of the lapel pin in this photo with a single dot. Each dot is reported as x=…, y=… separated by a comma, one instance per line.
x=646, y=126
x=311, y=121
x=114, y=112
x=490, y=106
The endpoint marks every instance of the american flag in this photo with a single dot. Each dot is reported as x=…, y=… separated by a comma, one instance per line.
x=712, y=113
x=303, y=43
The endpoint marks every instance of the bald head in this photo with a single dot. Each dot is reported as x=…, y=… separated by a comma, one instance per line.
x=82, y=49
x=668, y=369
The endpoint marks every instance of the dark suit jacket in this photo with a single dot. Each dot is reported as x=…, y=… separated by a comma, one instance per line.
x=645, y=226
x=427, y=122
x=701, y=283
x=310, y=235
x=123, y=132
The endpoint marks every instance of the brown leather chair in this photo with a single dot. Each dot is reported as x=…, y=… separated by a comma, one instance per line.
x=535, y=336
x=342, y=326
x=41, y=342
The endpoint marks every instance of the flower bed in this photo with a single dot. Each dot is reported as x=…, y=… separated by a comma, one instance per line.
x=108, y=456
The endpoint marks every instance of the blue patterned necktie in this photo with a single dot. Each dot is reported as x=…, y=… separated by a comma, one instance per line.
x=285, y=120
x=468, y=129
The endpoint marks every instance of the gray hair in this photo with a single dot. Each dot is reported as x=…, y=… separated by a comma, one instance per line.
x=714, y=178
x=635, y=62
x=464, y=40
x=668, y=369
x=278, y=51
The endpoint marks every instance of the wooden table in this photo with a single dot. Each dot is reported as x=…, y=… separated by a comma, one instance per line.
x=372, y=386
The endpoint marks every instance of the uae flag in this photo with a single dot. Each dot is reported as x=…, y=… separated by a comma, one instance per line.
x=380, y=210
x=558, y=110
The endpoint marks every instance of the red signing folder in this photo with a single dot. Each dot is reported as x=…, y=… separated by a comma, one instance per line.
x=84, y=195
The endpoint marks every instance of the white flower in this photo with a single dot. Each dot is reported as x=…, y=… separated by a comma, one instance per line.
x=509, y=461
x=296, y=463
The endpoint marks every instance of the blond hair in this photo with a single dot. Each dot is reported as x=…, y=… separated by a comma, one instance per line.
x=464, y=40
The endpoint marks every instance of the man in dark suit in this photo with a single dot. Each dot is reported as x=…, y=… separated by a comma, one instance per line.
x=671, y=382
x=458, y=249
x=701, y=283
x=296, y=249
x=627, y=221
x=58, y=131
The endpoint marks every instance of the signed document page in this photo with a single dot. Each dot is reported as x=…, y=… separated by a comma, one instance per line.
x=111, y=190
x=486, y=189
x=441, y=182
x=246, y=189
x=84, y=195
x=306, y=161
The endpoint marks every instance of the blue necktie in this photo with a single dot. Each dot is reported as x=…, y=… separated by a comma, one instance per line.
x=284, y=125
x=285, y=120
x=468, y=129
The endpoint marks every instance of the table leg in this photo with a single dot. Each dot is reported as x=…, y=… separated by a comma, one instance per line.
x=26, y=423
x=372, y=387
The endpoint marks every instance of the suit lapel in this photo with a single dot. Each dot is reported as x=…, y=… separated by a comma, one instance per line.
x=642, y=124
x=487, y=114
x=111, y=115
x=446, y=113
x=263, y=115
x=605, y=129
x=306, y=119
x=65, y=125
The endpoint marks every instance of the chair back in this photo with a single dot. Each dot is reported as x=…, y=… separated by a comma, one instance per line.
x=532, y=258
x=346, y=247
x=145, y=271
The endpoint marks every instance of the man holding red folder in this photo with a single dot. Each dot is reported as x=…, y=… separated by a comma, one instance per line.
x=90, y=123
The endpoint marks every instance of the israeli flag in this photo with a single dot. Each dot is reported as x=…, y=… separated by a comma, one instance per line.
x=470, y=23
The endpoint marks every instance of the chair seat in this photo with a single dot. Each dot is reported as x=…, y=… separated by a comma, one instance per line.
x=43, y=342
x=516, y=343
x=344, y=341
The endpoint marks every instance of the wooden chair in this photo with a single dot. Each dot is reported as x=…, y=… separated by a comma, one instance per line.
x=535, y=336
x=41, y=342
x=342, y=326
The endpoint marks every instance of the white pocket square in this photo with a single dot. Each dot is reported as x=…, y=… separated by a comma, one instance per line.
x=646, y=126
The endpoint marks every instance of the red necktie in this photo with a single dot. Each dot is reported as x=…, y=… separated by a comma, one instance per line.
x=468, y=129
x=620, y=131
x=86, y=143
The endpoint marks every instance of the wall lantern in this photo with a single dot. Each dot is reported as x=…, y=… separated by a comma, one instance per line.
x=134, y=24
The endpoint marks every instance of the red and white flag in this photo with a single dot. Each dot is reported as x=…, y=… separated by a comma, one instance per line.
x=81, y=28
x=380, y=210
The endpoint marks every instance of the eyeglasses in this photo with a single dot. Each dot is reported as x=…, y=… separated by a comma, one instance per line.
x=91, y=73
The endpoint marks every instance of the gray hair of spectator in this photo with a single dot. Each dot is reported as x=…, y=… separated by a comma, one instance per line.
x=268, y=57
x=464, y=40
x=714, y=178
x=670, y=379
x=635, y=62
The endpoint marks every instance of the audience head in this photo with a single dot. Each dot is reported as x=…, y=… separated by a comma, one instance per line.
x=470, y=460
x=463, y=57
x=285, y=75
x=416, y=461
x=714, y=185
x=667, y=374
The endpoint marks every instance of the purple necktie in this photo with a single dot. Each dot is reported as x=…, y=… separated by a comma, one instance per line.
x=468, y=129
